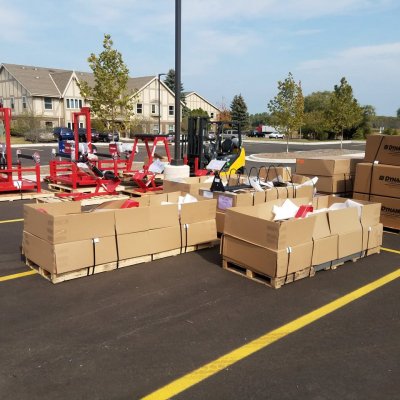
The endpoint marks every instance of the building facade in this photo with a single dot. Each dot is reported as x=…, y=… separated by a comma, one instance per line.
x=52, y=96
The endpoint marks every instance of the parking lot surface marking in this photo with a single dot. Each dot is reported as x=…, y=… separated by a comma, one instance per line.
x=390, y=250
x=8, y=221
x=207, y=370
x=16, y=276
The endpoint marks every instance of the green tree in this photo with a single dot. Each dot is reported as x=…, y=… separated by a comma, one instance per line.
x=170, y=82
x=198, y=112
x=239, y=111
x=344, y=112
x=398, y=113
x=110, y=98
x=259, y=119
x=287, y=107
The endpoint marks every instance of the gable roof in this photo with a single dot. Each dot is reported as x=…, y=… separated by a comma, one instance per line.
x=187, y=94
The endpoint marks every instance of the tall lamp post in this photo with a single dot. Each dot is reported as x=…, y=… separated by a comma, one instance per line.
x=159, y=102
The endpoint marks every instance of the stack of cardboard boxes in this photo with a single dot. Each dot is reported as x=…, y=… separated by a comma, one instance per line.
x=335, y=175
x=283, y=251
x=251, y=197
x=378, y=177
x=61, y=237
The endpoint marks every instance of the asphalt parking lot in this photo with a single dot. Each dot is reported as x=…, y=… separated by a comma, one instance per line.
x=182, y=327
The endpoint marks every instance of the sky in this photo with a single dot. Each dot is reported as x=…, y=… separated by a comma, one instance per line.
x=229, y=47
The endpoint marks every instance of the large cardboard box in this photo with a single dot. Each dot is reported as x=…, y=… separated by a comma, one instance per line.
x=199, y=232
x=273, y=263
x=69, y=256
x=378, y=179
x=390, y=211
x=66, y=222
x=323, y=167
x=339, y=183
x=188, y=185
x=272, y=173
x=383, y=148
x=165, y=239
x=135, y=244
x=255, y=225
x=325, y=249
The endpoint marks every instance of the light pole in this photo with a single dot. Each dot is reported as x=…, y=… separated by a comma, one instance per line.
x=159, y=102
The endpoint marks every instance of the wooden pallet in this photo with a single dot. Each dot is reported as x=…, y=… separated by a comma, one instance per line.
x=12, y=196
x=66, y=276
x=85, y=202
x=341, y=261
x=56, y=187
x=275, y=283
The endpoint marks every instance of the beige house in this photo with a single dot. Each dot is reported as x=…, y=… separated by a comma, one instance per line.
x=52, y=95
x=194, y=101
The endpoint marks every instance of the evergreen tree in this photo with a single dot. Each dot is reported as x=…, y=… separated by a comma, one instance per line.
x=170, y=82
x=109, y=97
x=239, y=111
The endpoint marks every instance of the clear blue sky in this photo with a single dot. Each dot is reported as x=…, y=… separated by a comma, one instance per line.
x=228, y=46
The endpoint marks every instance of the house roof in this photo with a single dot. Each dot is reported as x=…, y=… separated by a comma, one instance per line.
x=187, y=94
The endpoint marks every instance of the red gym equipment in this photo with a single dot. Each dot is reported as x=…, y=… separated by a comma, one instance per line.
x=7, y=170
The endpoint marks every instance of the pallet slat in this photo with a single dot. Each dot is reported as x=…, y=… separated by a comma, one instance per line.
x=26, y=195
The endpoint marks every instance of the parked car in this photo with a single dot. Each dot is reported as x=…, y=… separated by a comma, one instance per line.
x=82, y=135
x=108, y=137
x=276, y=135
x=63, y=133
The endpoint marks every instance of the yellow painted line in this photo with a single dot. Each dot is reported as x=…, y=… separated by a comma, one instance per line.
x=390, y=250
x=221, y=363
x=7, y=221
x=16, y=276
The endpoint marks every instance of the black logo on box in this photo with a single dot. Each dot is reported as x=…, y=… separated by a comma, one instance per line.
x=381, y=178
x=386, y=147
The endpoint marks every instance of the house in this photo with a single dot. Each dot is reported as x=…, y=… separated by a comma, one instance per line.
x=52, y=95
x=194, y=101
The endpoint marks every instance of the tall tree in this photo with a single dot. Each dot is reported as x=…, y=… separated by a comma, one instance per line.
x=287, y=107
x=239, y=111
x=170, y=82
x=316, y=105
x=344, y=112
x=398, y=113
x=110, y=98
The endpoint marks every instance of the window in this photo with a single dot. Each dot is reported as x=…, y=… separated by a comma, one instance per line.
x=153, y=109
x=80, y=103
x=24, y=102
x=68, y=103
x=48, y=124
x=139, y=108
x=171, y=128
x=69, y=125
x=1, y=102
x=12, y=103
x=170, y=110
x=48, y=104
x=212, y=115
x=155, y=128
x=80, y=124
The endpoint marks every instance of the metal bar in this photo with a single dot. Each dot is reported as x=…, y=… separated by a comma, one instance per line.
x=177, y=151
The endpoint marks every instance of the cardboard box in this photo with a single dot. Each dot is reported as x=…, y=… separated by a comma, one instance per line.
x=273, y=263
x=390, y=211
x=131, y=245
x=272, y=173
x=339, y=183
x=372, y=236
x=383, y=148
x=165, y=239
x=255, y=225
x=70, y=256
x=188, y=185
x=325, y=249
x=378, y=179
x=199, y=232
x=220, y=221
x=323, y=167
x=66, y=222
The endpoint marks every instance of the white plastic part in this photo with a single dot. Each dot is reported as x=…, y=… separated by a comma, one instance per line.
x=176, y=171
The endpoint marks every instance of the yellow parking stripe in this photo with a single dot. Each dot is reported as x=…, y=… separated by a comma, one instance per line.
x=390, y=250
x=262, y=342
x=16, y=276
x=7, y=221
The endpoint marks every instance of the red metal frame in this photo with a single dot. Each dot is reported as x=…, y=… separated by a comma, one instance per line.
x=7, y=182
x=145, y=179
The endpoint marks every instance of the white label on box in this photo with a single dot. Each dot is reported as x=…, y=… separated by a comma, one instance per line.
x=207, y=194
x=96, y=240
x=224, y=202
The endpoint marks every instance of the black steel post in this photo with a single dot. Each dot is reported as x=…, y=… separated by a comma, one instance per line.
x=177, y=160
